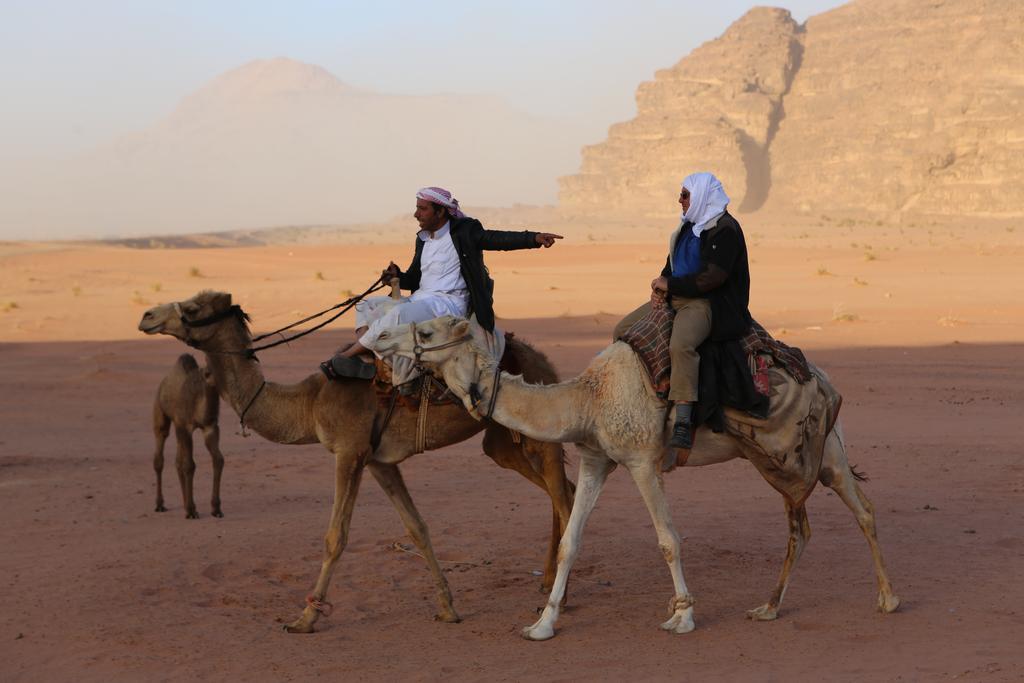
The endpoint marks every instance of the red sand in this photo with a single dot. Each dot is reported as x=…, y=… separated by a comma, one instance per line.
x=922, y=331
x=95, y=586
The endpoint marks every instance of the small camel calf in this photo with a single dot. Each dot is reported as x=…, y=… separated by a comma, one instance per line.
x=187, y=397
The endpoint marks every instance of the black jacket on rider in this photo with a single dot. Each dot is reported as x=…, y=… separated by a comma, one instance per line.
x=724, y=279
x=471, y=239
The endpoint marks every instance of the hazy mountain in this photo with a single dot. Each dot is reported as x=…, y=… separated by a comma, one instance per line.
x=278, y=142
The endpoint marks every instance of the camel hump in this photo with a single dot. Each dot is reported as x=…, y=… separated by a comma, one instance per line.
x=188, y=362
x=521, y=358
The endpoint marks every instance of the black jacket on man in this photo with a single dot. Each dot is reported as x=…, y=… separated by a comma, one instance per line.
x=471, y=240
x=723, y=279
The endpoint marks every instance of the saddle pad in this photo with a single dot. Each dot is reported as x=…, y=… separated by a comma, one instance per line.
x=758, y=342
x=649, y=338
x=410, y=393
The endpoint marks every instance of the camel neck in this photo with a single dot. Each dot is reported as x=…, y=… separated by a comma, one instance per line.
x=547, y=412
x=275, y=412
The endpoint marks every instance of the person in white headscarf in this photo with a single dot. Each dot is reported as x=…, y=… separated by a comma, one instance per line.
x=447, y=276
x=706, y=281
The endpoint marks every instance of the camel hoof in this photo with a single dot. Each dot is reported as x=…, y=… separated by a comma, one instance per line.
x=160, y=508
x=679, y=623
x=448, y=617
x=217, y=513
x=763, y=613
x=298, y=626
x=887, y=604
x=538, y=632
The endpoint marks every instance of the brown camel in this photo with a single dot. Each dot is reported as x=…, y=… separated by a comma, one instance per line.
x=613, y=415
x=342, y=415
x=187, y=398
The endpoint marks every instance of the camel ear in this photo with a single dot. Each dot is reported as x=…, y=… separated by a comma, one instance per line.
x=460, y=329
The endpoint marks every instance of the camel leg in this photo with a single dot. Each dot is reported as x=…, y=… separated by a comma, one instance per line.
x=211, y=436
x=836, y=474
x=390, y=479
x=161, y=428
x=799, y=534
x=647, y=475
x=594, y=470
x=560, y=490
x=186, y=465
x=348, y=471
x=498, y=446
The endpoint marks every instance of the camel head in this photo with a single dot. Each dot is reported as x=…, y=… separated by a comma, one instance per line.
x=194, y=320
x=449, y=348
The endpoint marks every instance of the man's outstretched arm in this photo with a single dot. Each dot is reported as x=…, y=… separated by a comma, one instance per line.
x=507, y=240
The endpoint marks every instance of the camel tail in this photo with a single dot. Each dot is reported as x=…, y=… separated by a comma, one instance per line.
x=857, y=474
x=837, y=429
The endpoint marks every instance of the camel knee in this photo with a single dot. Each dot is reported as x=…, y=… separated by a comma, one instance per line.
x=869, y=509
x=217, y=458
x=668, y=543
x=803, y=526
x=567, y=550
x=334, y=543
x=419, y=532
x=213, y=447
x=669, y=551
x=186, y=466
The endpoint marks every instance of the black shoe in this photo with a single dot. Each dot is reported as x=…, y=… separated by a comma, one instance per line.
x=682, y=435
x=342, y=366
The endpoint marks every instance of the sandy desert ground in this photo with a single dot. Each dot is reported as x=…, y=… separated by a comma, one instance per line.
x=922, y=329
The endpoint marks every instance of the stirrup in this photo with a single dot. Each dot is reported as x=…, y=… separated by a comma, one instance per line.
x=343, y=366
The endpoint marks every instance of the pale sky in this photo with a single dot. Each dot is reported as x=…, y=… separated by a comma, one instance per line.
x=74, y=74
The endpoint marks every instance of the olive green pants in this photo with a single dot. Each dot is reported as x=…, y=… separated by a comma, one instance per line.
x=691, y=326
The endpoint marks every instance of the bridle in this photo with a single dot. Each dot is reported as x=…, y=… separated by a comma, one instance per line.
x=474, y=392
x=418, y=350
x=236, y=311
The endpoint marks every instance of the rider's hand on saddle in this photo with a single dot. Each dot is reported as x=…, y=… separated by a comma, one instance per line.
x=546, y=239
x=660, y=283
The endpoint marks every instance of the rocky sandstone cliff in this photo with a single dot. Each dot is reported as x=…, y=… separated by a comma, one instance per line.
x=880, y=106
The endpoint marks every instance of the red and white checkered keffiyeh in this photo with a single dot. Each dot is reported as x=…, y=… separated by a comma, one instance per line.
x=439, y=195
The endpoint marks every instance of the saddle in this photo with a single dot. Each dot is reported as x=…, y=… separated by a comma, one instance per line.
x=423, y=391
x=411, y=394
x=784, y=437
x=757, y=350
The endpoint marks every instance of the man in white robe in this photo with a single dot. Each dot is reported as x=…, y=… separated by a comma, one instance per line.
x=447, y=277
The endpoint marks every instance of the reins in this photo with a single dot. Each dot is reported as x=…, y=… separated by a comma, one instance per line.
x=347, y=304
x=236, y=311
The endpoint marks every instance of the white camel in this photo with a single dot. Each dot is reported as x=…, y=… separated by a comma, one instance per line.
x=612, y=414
